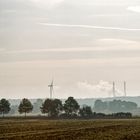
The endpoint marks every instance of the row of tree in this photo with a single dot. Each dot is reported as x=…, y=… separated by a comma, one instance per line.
x=51, y=107
x=54, y=108
x=114, y=106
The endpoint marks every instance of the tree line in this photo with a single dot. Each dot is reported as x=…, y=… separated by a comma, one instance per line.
x=54, y=108
x=114, y=106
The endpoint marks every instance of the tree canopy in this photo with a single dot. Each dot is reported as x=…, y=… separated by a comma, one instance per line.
x=114, y=106
x=25, y=106
x=52, y=107
x=4, y=106
x=71, y=106
x=100, y=106
x=86, y=111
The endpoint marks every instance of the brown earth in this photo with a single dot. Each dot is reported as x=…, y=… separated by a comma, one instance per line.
x=38, y=129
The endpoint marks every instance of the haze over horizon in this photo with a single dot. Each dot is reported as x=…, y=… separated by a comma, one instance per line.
x=83, y=45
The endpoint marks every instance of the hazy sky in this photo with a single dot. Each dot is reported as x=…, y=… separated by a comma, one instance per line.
x=83, y=45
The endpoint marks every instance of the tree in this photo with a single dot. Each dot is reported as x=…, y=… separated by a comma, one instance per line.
x=25, y=106
x=4, y=106
x=115, y=106
x=129, y=106
x=52, y=107
x=121, y=106
x=71, y=106
x=100, y=106
x=86, y=111
x=46, y=106
x=57, y=107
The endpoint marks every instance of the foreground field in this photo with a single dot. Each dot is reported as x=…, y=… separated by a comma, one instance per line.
x=33, y=129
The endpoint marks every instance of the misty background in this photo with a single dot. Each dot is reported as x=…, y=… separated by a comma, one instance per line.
x=82, y=45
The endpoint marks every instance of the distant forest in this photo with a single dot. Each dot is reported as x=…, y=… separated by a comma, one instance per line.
x=69, y=109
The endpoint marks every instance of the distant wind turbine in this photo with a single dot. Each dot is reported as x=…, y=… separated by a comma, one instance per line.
x=113, y=89
x=51, y=89
x=124, y=88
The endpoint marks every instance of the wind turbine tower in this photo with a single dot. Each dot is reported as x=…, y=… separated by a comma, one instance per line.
x=51, y=89
x=113, y=89
x=124, y=88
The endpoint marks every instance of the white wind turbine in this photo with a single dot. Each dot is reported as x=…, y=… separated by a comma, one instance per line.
x=51, y=89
